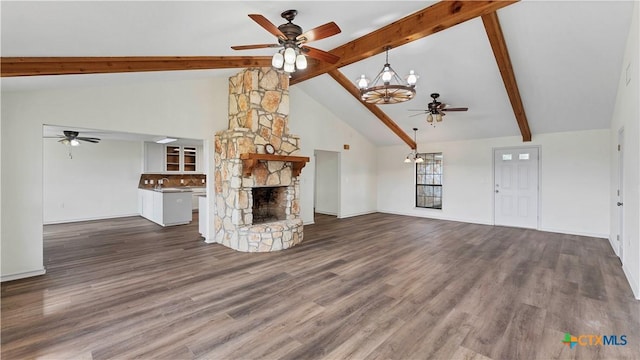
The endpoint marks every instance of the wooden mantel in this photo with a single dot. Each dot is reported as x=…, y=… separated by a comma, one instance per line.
x=249, y=160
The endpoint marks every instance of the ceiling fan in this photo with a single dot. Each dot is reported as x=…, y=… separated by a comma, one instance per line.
x=292, y=41
x=436, y=109
x=71, y=138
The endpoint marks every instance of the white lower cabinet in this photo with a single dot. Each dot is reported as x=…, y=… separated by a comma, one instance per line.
x=166, y=208
x=202, y=215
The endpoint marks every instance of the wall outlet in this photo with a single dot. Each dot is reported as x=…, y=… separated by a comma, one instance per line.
x=151, y=181
x=181, y=181
x=160, y=181
x=203, y=181
x=146, y=182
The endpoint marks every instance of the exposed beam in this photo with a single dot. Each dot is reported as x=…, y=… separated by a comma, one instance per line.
x=353, y=90
x=501, y=53
x=440, y=16
x=30, y=66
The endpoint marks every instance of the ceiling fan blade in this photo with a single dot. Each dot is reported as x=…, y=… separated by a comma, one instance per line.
x=320, y=54
x=320, y=32
x=456, y=109
x=416, y=114
x=425, y=110
x=88, y=138
x=256, y=46
x=441, y=113
x=268, y=25
x=91, y=140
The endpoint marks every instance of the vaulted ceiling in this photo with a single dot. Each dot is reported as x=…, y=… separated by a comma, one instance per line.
x=521, y=68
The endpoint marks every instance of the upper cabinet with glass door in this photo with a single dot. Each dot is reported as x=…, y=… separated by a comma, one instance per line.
x=181, y=158
x=189, y=157
x=173, y=155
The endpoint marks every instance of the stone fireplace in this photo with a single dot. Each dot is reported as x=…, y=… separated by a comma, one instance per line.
x=258, y=194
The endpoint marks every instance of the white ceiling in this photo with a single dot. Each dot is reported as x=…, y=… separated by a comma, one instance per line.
x=567, y=56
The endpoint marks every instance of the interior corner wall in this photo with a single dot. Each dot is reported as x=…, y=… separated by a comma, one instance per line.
x=189, y=109
x=320, y=129
x=327, y=178
x=99, y=181
x=627, y=115
x=574, y=187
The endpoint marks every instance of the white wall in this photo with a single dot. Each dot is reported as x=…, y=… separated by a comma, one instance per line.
x=100, y=181
x=320, y=129
x=574, y=184
x=327, y=182
x=627, y=115
x=189, y=109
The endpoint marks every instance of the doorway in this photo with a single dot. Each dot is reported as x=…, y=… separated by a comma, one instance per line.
x=516, y=187
x=326, y=198
x=619, y=203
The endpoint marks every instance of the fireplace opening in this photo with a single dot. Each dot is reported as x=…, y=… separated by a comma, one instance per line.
x=269, y=204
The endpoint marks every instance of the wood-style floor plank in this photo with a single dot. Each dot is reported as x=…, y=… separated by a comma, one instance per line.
x=376, y=286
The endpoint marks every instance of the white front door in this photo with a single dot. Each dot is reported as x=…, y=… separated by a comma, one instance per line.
x=516, y=187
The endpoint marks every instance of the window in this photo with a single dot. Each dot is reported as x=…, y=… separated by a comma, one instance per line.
x=429, y=181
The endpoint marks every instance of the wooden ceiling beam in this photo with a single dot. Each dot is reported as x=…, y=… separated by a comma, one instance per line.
x=32, y=66
x=440, y=16
x=501, y=53
x=353, y=90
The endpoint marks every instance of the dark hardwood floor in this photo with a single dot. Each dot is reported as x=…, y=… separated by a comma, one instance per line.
x=376, y=286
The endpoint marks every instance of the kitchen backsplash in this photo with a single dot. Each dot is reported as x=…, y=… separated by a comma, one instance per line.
x=174, y=180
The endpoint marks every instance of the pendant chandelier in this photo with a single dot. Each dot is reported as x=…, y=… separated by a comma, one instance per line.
x=387, y=87
x=413, y=155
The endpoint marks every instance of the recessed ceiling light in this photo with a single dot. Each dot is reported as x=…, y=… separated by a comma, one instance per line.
x=166, y=140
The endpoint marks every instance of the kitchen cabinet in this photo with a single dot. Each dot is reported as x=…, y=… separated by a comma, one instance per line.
x=166, y=208
x=202, y=215
x=182, y=158
x=173, y=158
x=161, y=158
x=153, y=157
x=197, y=192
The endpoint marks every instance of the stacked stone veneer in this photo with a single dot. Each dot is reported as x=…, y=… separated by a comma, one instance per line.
x=258, y=114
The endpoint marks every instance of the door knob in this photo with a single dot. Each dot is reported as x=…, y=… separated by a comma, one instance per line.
x=619, y=203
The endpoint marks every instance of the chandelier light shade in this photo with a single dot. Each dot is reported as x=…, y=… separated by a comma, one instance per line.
x=387, y=87
x=413, y=155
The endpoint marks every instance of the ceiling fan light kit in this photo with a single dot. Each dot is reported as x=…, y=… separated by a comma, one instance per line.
x=387, y=87
x=293, y=54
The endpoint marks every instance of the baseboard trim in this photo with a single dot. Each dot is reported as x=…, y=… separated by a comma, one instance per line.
x=579, y=233
x=480, y=222
x=343, y=216
x=613, y=247
x=326, y=213
x=89, y=219
x=632, y=282
x=22, y=275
